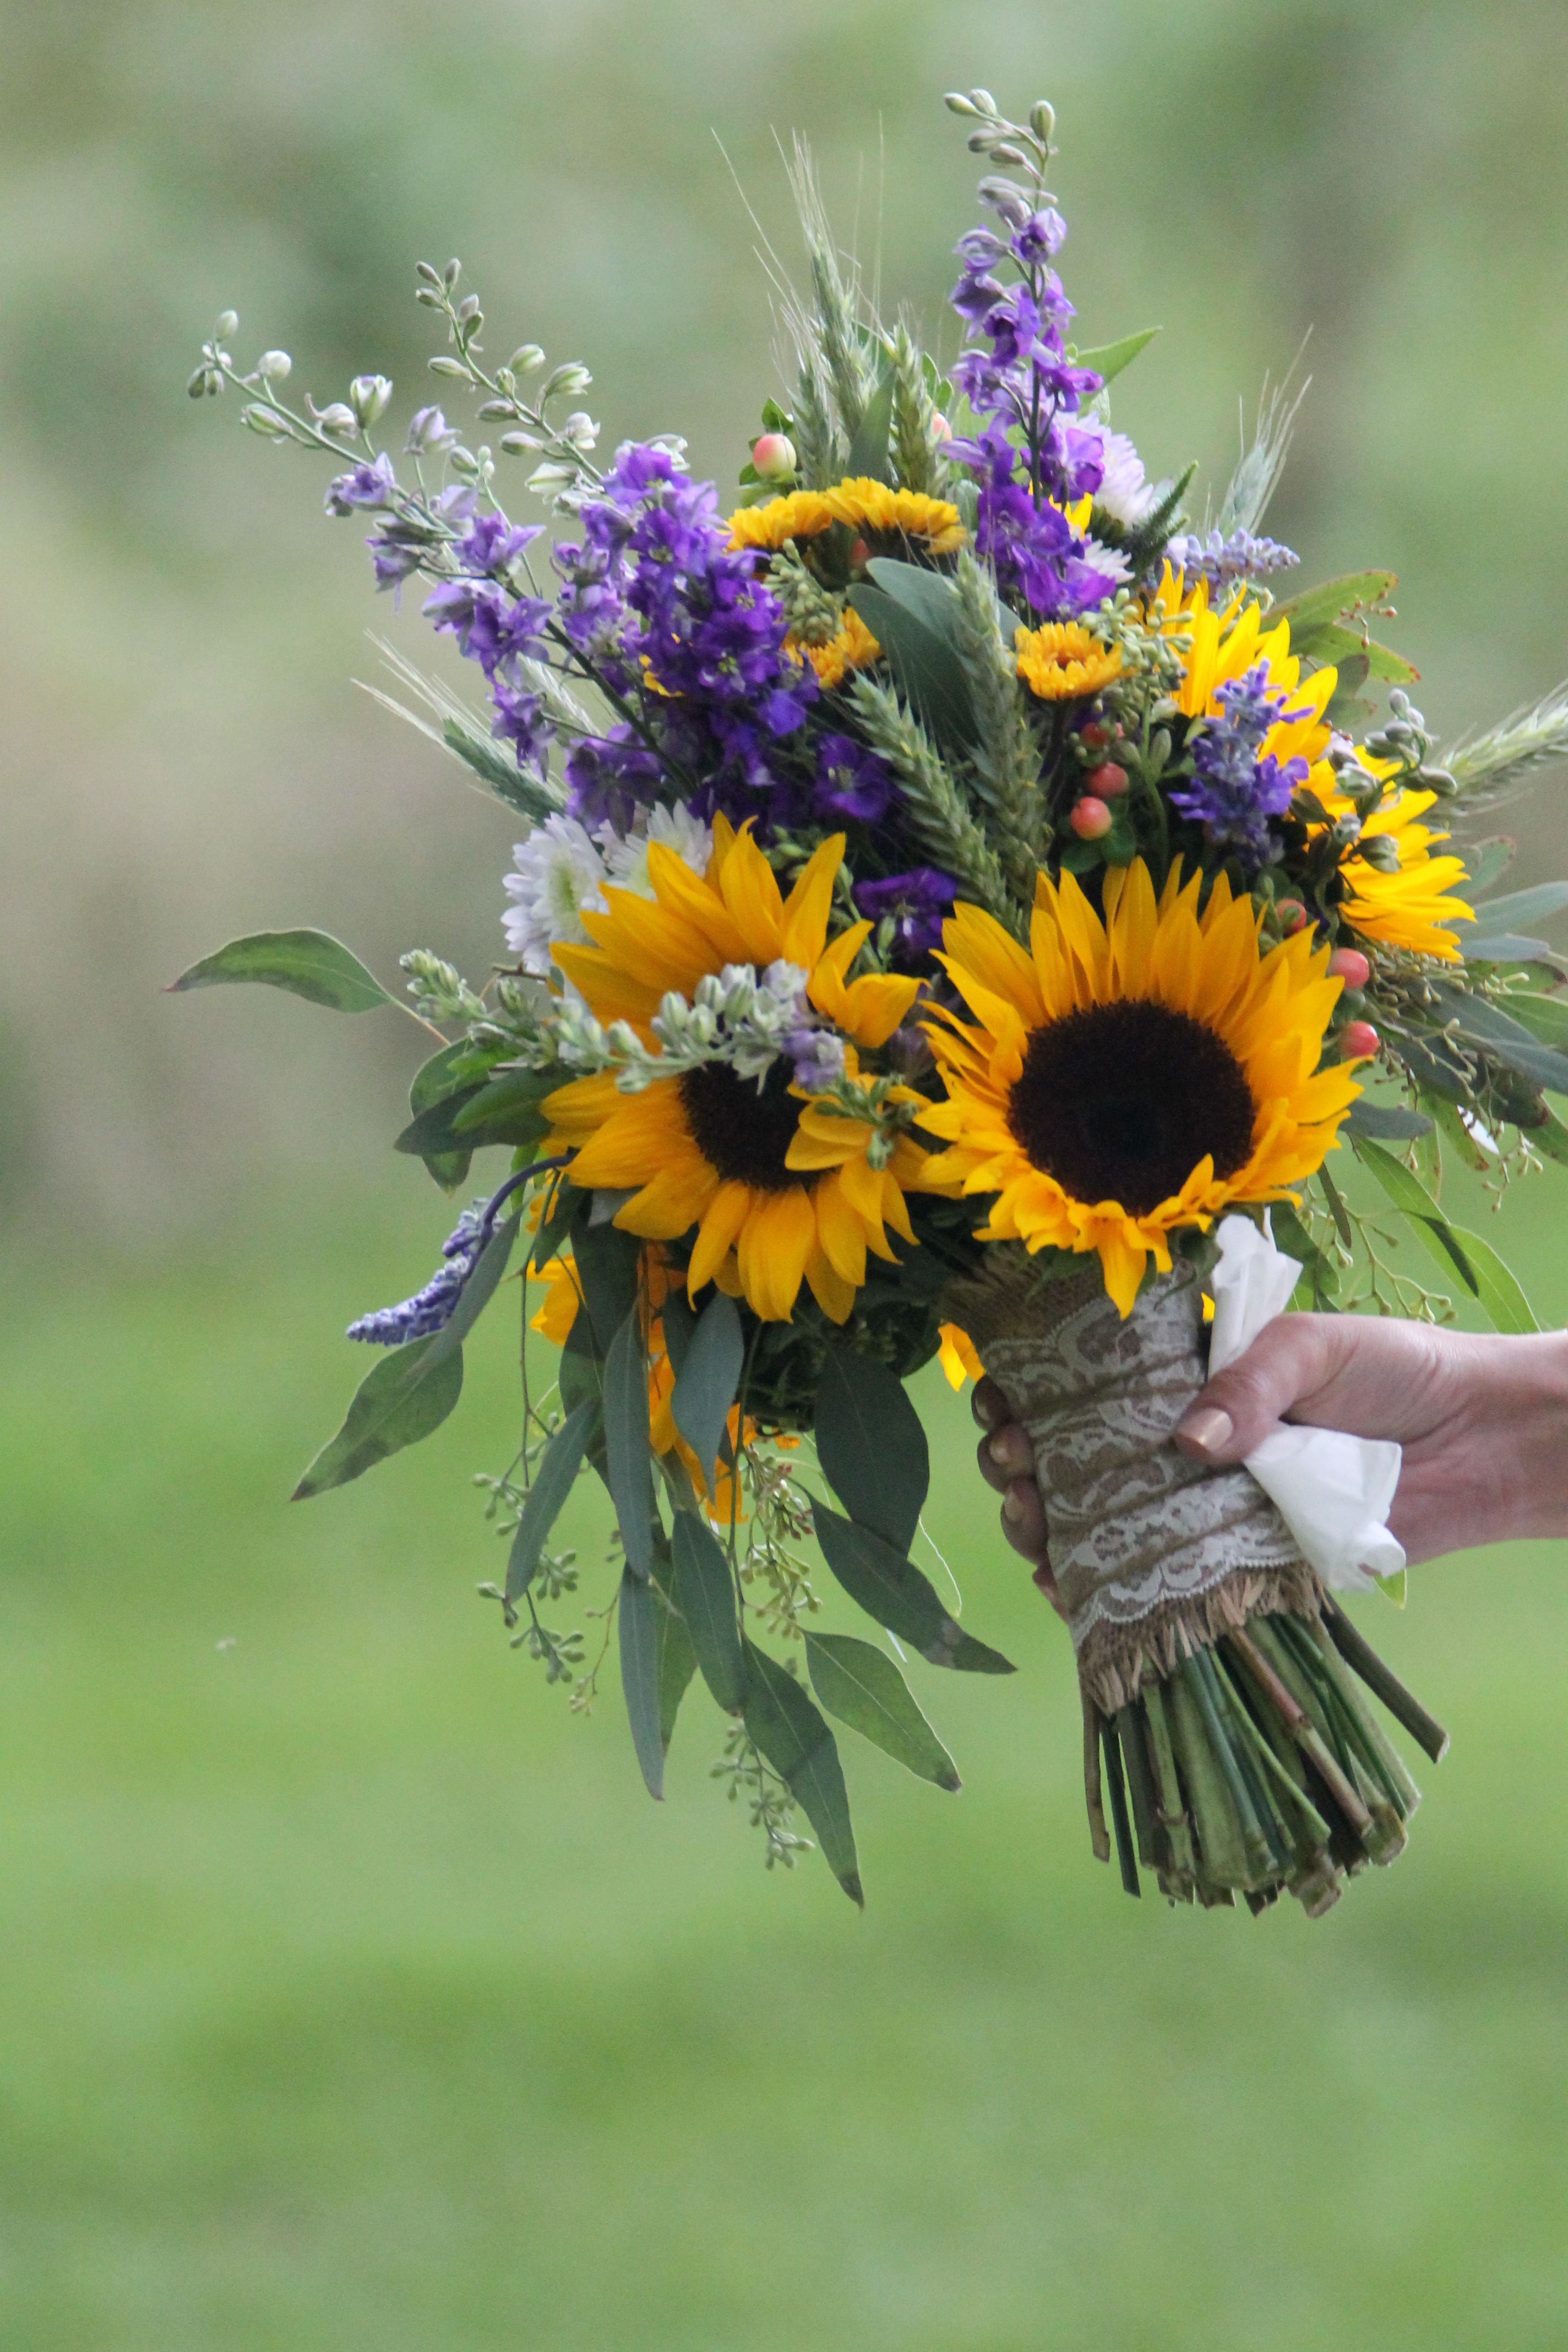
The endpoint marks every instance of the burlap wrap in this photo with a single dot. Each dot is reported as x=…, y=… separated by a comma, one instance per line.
x=1153, y=1555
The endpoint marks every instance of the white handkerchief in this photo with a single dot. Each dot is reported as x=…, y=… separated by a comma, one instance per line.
x=1332, y=1491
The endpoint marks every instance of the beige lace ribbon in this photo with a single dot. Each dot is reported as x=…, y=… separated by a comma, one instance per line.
x=1153, y=1555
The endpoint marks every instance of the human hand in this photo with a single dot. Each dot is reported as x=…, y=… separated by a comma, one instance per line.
x=1483, y=1422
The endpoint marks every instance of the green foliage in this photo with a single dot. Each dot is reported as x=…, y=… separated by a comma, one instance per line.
x=406, y=1395
x=553, y=1482
x=703, y=1590
x=637, y=1622
x=1108, y=359
x=629, y=1461
x=911, y=613
x=867, y=458
x=310, y=965
x=871, y=1445
x=798, y=1743
x=1006, y=758
x=708, y=1378
x=917, y=453
x=1477, y=1263
x=892, y=1589
x=861, y=1685
x=933, y=805
x=432, y=1082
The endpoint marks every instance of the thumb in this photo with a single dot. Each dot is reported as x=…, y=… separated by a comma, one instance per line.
x=1289, y=1358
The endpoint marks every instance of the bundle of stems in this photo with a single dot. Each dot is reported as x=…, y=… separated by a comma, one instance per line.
x=1257, y=1766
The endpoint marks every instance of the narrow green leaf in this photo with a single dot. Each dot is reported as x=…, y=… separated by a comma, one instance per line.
x=871, y=1446
x=639, y=1676
x=1386, y=1122
x=310, y=965
x=1519, y=908
x=506, y=1107
x=606, y=1263
x=1476, y=1019
x=927, y=672
x=1487, y=862
x=795, y=1738
x=867, y=458
x=565, y=1209
x=707, y=1382
x=1396, y=1587
x=553, y=1481
x=704, y=1591
x=680, y=1323
x=396, y=1404
x=1499, y=1288
x=1108, y=359
x=1506, y=947
x=1413, y=1201
x=891, y=1589
x=629, y=1463
x=861, y=1685
x=433, y=1081
x=1337, y=1209
x=674, y=1662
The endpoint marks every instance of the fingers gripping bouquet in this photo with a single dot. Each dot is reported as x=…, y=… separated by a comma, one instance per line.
x=961, y=911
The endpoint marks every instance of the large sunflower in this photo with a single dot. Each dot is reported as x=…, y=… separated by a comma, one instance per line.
x=1134, y=1074
x=779, y=1177
x=864, y=505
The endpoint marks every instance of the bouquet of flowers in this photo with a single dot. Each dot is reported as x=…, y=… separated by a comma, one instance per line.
x=962, y=910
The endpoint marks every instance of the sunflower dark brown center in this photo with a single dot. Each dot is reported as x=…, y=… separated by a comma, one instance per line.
x=1120, y=1102
x=743, y=1132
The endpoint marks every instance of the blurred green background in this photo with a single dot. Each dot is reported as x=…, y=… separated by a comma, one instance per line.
x=353, y=1994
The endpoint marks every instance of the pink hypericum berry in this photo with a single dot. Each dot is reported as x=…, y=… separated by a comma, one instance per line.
x=1089, y=818
x=773, y=454
x=1292, y=915
x=1109, y=781
x=1357, y=1040
x=1349, y=965
x=940, y=429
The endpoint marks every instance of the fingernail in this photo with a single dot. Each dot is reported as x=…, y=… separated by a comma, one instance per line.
x=1012, y=1508
x=1000, y=1453
x=1206, y=1430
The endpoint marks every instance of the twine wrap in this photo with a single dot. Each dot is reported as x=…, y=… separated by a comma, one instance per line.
x=1155, y=1555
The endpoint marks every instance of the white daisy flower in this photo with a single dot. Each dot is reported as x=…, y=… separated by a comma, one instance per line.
x=1124, y=494
x=557, y=873
x=626, y=858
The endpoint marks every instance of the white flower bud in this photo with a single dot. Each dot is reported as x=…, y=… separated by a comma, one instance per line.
x=337, y=419
x=274, y=366
x=441, y=366
x=956, y=103
x=525, y=359
x=983, y=104
x=227, y=324
x=1043, y=120
x=369, y=396
x=571, y=376
x=266, y=421
x=450, y=275
x=518, y=445
x=580, y=429
x=468, y=307
x=550, y=476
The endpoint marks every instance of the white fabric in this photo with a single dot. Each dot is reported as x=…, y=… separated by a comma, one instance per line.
x=1333, y=1491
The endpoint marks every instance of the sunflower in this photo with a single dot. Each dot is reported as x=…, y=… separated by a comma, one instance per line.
x=801, y=515
x=1411, y=905
x=873, y=507
x=1226, y=645
x=958, y=1356
x=1064, y=661
x=853, y=648
x=780, y=1177
x=1134, y=1074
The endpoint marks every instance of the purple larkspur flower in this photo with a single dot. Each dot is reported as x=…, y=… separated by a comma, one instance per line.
x=915, y=902
x=429, y=1309
x=610, y=777
x=492, y=543
x=521, y=720
x=372, y=484
x=1235, y=788
x=1221, y=561
x=851, y=780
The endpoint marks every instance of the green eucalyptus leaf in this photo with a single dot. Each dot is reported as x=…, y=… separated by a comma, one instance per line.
x=396, y=1404
x=1108, y=359
x=565, y=1207
x=433, y=1081
x=1507, y=1040
x=674, y=1662
x=1414, y=1202
x=1506, y=947
x=310, y=965
x=792, y=1734
x=707, y=1382
x=1497, y=1285
x=1386, y=1122
x=1518, y=908
x=680, y=1323
x=1487, y=862
x=638, y=1629
x=628, y=1461
x=703, y=1590
x=891, y=1589
x=553, y=1482
x=926, y=670
x=871, y=1445
x=861, y=1685
x=1330, y=601
x=507, y=1108
x=606, y=1263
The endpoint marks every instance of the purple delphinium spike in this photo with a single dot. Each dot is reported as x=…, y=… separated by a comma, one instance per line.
x=1233, y=793
x=429, y=1309
x=917, y=902
x=1221, y=560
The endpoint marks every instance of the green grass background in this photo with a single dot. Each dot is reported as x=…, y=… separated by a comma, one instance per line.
x=353, y=1998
